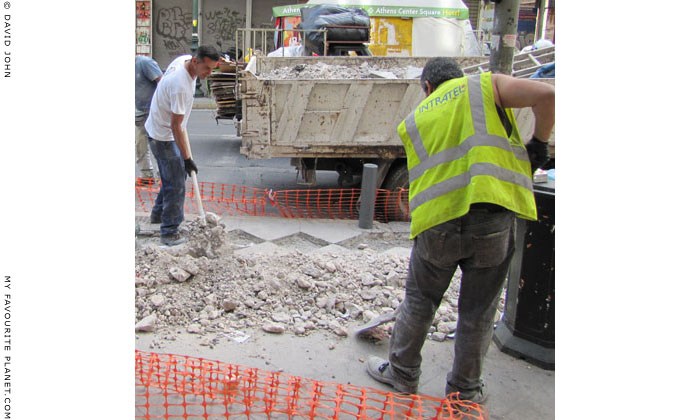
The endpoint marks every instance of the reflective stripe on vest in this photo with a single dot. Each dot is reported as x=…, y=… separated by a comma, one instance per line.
x=456, y=167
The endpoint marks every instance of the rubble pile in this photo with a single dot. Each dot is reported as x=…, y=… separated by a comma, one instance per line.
x=296, y=293
x=206, y=240
x=330, y=71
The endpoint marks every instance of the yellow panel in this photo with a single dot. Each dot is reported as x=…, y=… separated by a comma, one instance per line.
x=391, y=36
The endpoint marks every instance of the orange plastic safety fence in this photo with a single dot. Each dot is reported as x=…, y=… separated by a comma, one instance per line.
x=313, y=203
x=340, y=204
x=232, y=200
x=182, y=387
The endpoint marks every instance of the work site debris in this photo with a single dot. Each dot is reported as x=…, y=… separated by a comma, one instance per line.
x=147, y=324
x=334, y=71
x=290, y=293
x=206, y=240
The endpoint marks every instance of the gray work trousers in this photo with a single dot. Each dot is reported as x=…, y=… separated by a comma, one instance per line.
x=143, y=153
x=482, y=244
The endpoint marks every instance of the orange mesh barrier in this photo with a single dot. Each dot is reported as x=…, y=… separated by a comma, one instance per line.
x=221, y=199
x=181, y=387
x=339, y=204
x=314, y=203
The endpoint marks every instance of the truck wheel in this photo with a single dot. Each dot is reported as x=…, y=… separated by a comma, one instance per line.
x=398, y=178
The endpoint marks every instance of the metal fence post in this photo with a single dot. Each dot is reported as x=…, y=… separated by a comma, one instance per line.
x=368, y=197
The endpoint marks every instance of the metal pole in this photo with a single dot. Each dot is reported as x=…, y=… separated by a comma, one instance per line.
x=538, y=31
x=504, y=35
x=195, y=42
x=195, y=27
x=368, y=197
x=248, y=25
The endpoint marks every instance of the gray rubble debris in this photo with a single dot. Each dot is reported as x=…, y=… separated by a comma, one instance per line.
x=273, y=327
x=334, y=71
x=157, y=300
x=289, y=293
x=147, y=324
x=179, y=274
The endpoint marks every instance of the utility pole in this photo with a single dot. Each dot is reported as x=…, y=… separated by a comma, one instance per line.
x=539, y=30
x=504, y=35
x=195, y=42
x=195, y=25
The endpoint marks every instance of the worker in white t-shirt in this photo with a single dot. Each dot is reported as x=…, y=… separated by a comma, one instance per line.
x=166, y=127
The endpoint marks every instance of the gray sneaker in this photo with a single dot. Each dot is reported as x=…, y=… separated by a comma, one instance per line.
x=172, y=240
x=382, y=371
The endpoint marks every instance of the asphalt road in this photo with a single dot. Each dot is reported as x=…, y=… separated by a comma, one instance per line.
x=216, y=150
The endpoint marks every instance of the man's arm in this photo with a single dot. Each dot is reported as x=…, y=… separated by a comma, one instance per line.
x=510, y=92
x=180, y=135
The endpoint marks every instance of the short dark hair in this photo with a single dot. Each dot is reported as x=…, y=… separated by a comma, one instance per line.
x=439, y=70
x=207, y=51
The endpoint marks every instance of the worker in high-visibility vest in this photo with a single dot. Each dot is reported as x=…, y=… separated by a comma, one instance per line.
x=470, y=176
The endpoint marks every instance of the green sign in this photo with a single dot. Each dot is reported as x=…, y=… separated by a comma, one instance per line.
x=387, y=11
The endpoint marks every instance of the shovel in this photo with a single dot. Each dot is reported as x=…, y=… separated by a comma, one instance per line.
x=197, y=195
x=195, y=183
x=382, y=319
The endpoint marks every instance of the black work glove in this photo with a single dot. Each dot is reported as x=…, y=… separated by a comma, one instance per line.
x=190, y=166
x=538, y=153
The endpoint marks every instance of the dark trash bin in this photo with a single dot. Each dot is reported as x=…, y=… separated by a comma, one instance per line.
x=527, y=329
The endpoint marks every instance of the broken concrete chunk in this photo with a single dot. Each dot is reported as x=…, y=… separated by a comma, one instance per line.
x=304, y=283
x=321, y=301
x=212, y=219
x=273, y=327
x=179, y=274
x=195, y=329
x=189, y=266
x=438, y=336
x=446, y=327
x=157, y=300
x=281, y=317
x=368, y=294
x=369, y=315
x=353, y=309
x=147, y=324
x=229, y=305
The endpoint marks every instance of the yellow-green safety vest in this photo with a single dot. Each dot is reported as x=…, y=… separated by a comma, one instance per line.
x=459, y=153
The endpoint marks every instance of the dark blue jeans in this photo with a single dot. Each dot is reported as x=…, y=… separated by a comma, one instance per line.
x=481, y=243
x=170, y=200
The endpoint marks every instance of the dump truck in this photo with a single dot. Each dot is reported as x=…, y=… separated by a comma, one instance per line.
x=336, y=124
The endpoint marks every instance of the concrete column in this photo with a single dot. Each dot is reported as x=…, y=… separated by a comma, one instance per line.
x=504, y=35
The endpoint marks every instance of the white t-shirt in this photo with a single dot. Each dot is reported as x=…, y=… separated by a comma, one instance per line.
x=174, y=95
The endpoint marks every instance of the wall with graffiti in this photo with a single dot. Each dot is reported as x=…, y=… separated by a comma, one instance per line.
x=218, y=21
x=172, y=30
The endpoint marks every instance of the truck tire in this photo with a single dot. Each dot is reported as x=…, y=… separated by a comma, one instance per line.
x=398, y=178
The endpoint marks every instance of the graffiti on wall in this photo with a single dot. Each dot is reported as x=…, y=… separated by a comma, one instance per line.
x=222, y=24
x=173, y=28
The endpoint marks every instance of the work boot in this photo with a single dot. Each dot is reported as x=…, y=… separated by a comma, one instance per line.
x=172, y=240
x=466, y=402
x=478, y=396
x=382, y=371
x=155, y=219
